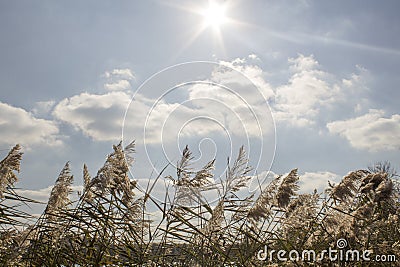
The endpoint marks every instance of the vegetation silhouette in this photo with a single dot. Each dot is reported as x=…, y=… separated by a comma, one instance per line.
x=111, y=223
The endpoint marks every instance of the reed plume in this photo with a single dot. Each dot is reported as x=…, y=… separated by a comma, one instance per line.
x=287, y=189
x=9, y=165
x=59, y=196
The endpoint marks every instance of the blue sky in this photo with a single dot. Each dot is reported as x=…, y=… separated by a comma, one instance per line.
x=328, y=71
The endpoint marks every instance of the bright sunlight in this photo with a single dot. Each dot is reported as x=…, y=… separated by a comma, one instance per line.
x=214, y=15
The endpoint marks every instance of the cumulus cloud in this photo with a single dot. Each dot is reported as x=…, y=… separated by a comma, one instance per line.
x=235, y=104
x=313, y=97
x=308, y=90
x=118, y=85
x=240, y=104
x=103, y=117
x=118, y=79
x=371, y=131
x=164, y=121
x=19, y=126
x=120, y=73
x=238, y=101
x=253, y=76
x=303, y=63
x=97, y=116
x=231, y=110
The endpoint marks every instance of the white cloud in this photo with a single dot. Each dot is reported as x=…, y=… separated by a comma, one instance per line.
x=118, y=79
x=97, y=116
x=101, y=116
x=371, y=131
x=313, y=96
x=309, y=92
x=118, y=85
x=202, y=109
x=299, y=102
x=253, y=76
x=120, y=73
x=231, y=110
x=165, y=121
x=253, y=57
x=310, y=95
x=303, y=63
x=316, y=180
x=19, y=126
x=238, y=102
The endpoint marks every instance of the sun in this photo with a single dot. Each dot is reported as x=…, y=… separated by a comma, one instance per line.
x=211, y=17
x=214, y=15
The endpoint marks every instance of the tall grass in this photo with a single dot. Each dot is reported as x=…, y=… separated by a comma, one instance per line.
x=111, y=224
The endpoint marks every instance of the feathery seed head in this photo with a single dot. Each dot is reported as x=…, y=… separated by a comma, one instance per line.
x=287, y=188
x=8, y=165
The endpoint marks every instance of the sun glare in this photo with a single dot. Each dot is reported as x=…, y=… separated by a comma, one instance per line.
x=214, y=15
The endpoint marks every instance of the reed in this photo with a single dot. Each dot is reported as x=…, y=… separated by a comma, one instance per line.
x=113, y=223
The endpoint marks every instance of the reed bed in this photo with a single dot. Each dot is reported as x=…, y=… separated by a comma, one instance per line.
x=111, y=224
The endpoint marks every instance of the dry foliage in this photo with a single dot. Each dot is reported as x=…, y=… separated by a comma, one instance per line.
x=110, y=224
